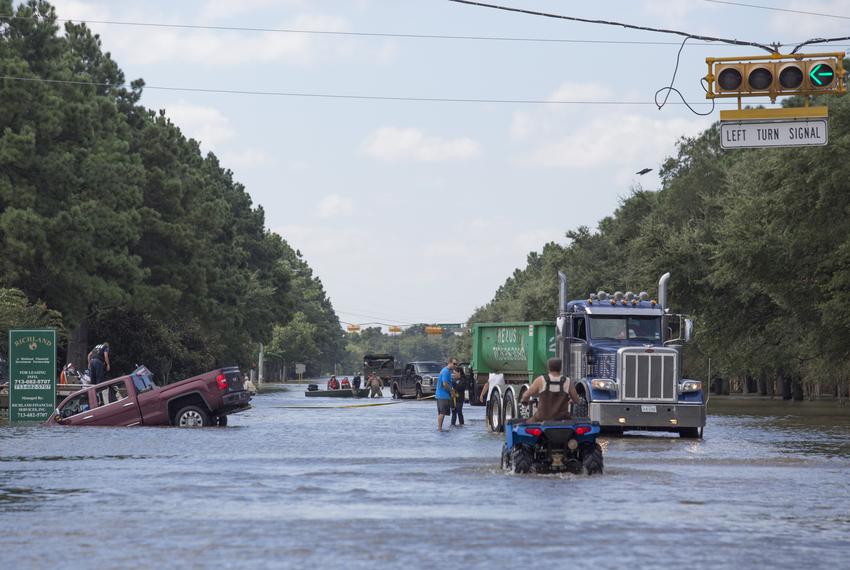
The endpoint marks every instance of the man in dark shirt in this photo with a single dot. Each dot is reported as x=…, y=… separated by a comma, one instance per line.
x=554, y=393
x=99, y=363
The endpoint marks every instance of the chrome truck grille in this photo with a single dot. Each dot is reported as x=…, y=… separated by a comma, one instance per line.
x=648, y=376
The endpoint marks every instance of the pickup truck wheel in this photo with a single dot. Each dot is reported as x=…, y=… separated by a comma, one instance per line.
x=690, y=433
x=220, y=421
x=522, y=459
x=418, y=392
x=580, y=410
x=494, y=413
x=191, y=416
x=591, y=459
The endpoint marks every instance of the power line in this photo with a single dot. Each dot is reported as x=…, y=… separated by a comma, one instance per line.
x=373, y=34
x=772, y=8
x=356, y=34
x=769, y=49
x=348, y=96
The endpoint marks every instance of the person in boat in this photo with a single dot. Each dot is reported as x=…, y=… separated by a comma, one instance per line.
x=346, y=385
x=333, y=383
x=554, y=393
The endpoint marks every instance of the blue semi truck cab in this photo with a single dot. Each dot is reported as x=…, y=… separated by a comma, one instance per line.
x=626, y=355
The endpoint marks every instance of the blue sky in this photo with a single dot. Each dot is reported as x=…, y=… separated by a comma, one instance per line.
x=418, y=211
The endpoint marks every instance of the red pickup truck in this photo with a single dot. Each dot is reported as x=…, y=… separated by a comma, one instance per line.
x=134, y=400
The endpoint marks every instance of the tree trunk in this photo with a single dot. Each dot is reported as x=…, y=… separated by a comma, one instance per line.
x=798, y=389
x=78, y=345
x=762, y=386
x=786, y=388
x=770, y=388
x=725, y=387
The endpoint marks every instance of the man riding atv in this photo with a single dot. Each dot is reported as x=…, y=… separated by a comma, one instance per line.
x=554, y=393
x=551, y=440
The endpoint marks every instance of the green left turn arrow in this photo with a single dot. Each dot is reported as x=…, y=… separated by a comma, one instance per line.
x=821, y=74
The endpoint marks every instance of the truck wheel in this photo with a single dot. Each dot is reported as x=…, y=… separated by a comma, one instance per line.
x=509, y=409
x=591, y=459
x=418, y=392
x=580, y=410
x=690, y=433
x=494, y=413
x=192, y=416
x=506, y=457
x=220, y=421
x=522, y=459
x=396, y=394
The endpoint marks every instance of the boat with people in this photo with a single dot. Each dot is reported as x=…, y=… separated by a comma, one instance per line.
x=336, y=389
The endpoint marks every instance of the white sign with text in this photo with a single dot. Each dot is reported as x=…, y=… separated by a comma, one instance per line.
x=762, y=134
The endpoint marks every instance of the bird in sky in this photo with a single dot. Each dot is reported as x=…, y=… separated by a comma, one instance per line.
x=644, y=171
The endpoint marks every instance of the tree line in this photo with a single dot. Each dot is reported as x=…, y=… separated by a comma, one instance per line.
x=114, y=226
x=758, y=245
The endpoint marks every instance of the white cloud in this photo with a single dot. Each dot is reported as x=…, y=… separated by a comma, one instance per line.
x=335, y=206
x=800, y=27
x=394, y=144
x=616, y=139
x=245, y=158
x=207, y=125
x=226, y=9
x=568, y=91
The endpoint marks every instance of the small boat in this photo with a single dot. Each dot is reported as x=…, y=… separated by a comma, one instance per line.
x=341, y=393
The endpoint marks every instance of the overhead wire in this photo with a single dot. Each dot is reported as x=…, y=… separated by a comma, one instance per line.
x=769, y=49
x=775, y=9
x=344, y=95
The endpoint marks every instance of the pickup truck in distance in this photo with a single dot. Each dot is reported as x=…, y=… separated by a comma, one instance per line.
x=134, y=400
x=417, y=379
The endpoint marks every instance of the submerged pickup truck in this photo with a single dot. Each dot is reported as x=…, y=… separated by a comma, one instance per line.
x=134, y=399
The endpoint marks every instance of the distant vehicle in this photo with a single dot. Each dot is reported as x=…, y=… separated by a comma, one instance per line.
x=381, y=364
x=134, y=399
x=545, y=447
x=417, y=379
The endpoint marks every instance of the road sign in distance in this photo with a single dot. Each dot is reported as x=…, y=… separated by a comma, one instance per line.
x=771, y=134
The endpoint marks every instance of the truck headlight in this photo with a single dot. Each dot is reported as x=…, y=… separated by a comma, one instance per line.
x=603, y=384
x=690, y=386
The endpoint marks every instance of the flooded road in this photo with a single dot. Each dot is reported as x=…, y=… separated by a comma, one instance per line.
x=379, y=487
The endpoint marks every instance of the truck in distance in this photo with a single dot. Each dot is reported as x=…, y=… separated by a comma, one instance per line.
x=383, y=365
x=134, y=400
x=417, y=379
x=624, y=351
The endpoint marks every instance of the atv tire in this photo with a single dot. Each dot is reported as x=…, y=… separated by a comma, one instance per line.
x=690, y=433
x=591, y=459
x=522, y=459
x=506, y=457
x=580, y=410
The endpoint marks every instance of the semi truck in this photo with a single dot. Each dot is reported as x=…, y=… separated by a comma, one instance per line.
x=624, y=351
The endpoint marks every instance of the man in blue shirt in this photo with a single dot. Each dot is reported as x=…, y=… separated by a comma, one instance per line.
x=443, y=393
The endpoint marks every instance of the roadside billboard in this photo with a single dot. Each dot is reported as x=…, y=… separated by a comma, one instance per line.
x=32, y=375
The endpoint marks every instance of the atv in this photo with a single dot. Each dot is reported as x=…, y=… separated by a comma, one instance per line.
x=551, y=447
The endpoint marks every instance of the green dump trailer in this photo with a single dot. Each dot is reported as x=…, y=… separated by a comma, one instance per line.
x=518, y=352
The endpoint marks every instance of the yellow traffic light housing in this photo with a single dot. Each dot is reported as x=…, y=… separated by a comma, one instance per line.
x=775, y=75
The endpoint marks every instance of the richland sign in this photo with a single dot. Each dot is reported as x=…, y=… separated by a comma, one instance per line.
x=760, y=134
x=32, y=375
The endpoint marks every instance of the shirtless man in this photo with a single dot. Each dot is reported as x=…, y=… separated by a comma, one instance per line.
x=554, y=393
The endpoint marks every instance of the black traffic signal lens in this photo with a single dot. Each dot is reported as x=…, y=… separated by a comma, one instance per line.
x=821, y=75
x=791, y=77
x=729, y=79
x=760, y=79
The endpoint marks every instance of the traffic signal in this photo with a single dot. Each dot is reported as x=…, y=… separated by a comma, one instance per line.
x=433, y=330
x=775, y=75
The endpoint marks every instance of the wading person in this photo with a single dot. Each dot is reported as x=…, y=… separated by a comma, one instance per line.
x=554, y=393
x=355, y=386
x=375, y=385
x=460, y=386
x=443, y=393
x=99, y=363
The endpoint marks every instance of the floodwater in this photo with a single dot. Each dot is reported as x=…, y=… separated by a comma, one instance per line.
x=378, y=487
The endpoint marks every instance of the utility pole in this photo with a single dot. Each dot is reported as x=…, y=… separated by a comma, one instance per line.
x=260, y=374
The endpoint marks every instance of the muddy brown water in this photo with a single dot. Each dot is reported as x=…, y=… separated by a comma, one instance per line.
x=378, y=487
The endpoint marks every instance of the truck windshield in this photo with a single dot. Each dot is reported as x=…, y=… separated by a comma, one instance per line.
x=626, y=328
x=428, y=368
